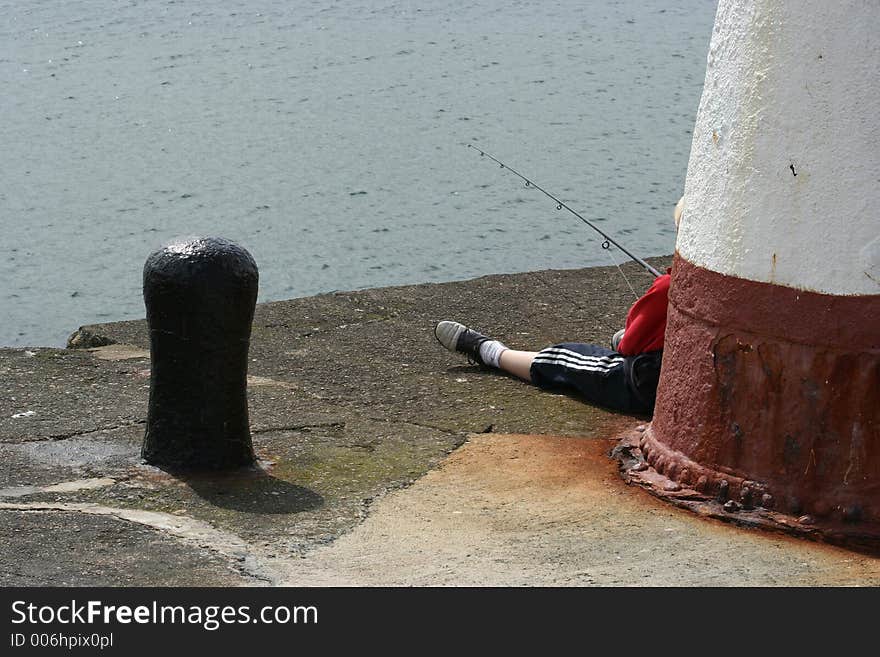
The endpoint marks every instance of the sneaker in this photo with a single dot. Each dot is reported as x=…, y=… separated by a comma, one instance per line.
x=458, y=337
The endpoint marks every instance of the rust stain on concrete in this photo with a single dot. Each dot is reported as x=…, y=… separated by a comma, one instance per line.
x=545, y=510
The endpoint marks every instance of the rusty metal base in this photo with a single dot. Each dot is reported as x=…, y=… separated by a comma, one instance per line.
x=634, y=468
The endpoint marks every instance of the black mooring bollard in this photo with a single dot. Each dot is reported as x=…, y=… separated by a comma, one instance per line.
x=200, y=296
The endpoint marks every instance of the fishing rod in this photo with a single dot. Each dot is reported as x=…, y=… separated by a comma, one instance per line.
x=561, y=204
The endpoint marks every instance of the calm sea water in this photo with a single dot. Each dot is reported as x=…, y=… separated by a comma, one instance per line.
x=329, y=139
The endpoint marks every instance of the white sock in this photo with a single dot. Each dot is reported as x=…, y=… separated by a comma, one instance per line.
x=490, y=352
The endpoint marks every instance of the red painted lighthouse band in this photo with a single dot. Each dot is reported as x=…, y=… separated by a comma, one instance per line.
x=771, y=391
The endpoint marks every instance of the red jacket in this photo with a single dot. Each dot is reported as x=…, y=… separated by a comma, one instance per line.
x=646, y=320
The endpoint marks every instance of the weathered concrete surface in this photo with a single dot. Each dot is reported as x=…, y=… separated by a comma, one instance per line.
x=544, y=510
x=87, y=549
x=350, y=397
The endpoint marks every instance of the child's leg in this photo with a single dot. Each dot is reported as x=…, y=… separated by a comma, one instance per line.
x=597, y=373
x=518, y=363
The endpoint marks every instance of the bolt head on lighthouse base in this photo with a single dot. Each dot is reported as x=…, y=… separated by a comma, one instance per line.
x=644, y=462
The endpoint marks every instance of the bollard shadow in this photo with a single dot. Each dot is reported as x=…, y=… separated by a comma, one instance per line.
x=250, y=490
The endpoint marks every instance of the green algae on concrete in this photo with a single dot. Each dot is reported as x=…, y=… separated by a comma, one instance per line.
x=311, y=487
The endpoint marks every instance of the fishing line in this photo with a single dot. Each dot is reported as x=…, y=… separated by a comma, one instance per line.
x=561, y=204
x=614, y=262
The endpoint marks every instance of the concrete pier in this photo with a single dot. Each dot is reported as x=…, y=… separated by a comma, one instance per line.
x=384, y=459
